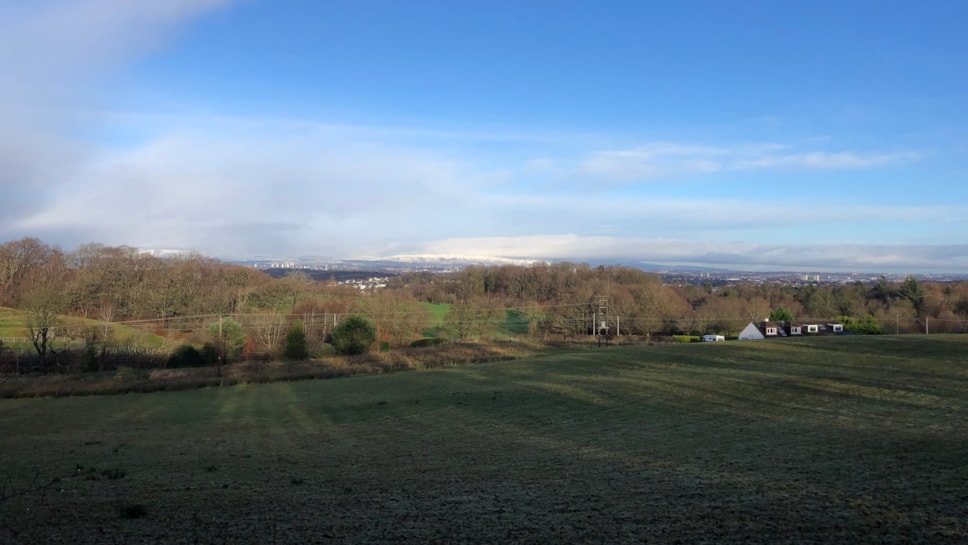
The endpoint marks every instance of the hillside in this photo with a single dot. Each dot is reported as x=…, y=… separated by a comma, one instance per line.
x=846, y=440
x=13, y=330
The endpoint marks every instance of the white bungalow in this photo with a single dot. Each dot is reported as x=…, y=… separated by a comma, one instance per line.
x=769, y=330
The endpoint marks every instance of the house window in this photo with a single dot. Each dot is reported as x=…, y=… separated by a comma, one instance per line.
x=771, y=331
x=813, y=328
x=795, y=330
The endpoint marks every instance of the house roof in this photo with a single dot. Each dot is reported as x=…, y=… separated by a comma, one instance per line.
x=783, y=329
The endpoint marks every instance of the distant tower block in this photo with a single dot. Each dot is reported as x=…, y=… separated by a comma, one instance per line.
x=603, y=315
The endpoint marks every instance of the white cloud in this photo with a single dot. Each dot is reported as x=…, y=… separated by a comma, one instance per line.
x=239, y=187
x=825, y=161
x=55, y=39
x=55, y=53
x=738, y=255
x=661, y=161
x=243, y=186
x=650, y=162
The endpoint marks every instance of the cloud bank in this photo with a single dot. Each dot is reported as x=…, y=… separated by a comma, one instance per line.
x=846, y=257
x=57, y=55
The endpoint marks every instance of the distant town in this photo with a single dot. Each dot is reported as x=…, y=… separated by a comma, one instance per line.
x=374, y=273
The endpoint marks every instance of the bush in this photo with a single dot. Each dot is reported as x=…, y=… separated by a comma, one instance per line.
x=231, y=333
x=296, y=343
x=325, y=350
x=865, y=325
x=89, y=359
x=353, y=335
x=685, y=338
x=209, y=354
x=185, y=356
x=780, y=314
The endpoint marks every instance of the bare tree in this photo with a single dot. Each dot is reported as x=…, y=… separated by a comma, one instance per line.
x=42, y=308
x=268, y=330
x=398, y=319
x=486, y=316
x=26, y=263
x=460, y=319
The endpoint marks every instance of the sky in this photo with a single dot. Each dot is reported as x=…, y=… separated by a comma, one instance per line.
x=754, y=135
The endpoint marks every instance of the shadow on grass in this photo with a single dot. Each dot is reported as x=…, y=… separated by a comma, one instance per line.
x=127, y=380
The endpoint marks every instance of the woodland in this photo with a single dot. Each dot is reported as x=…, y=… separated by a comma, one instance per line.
x=98, y=306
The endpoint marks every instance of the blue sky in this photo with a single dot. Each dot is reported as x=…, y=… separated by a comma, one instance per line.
x=753, y=135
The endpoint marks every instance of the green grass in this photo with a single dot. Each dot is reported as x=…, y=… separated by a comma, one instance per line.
x=437, y=313
x=12, y=326
x=822, y=440
x=515, y=323
x=11, y=323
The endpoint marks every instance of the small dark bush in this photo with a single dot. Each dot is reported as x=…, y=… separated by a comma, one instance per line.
x=89, y=359
x=296, y=343
x=209, y=354
x=353, y=335
x=185, y=356
x=325, y=350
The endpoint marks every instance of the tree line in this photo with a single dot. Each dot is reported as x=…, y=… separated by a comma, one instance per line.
x=178, y=299
x=559, y=298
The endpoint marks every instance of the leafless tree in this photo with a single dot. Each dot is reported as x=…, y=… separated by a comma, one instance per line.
x=42, y=307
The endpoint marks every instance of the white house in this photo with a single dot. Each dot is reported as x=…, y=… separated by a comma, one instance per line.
x=751, y=333
x=768, y=330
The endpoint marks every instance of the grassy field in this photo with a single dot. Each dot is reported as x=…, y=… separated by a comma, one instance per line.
x=823, y=440
x=12, y=326
x=11, y=323
x=515, y=323
x=437, y=314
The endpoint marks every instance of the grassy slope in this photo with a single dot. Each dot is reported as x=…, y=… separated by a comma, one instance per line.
x=512, y=323
x=515, y=323
x=849, y=440
x=12, y=325
x=437, y=314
